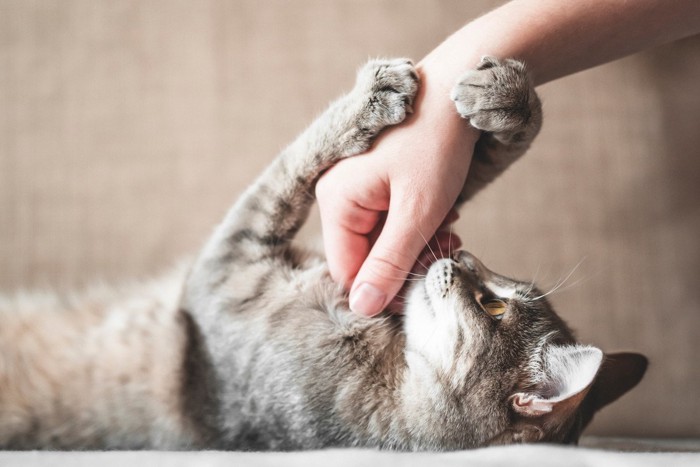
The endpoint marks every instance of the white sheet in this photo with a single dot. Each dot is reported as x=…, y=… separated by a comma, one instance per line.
x=528, y=455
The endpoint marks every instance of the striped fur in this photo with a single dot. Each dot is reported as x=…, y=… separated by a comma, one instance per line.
x=255, y=348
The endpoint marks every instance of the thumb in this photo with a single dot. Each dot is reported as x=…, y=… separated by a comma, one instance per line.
x=391, y=258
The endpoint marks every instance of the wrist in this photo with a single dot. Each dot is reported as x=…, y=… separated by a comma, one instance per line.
x=436, y=111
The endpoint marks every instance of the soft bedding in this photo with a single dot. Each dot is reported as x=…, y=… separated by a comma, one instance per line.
x=598, y=452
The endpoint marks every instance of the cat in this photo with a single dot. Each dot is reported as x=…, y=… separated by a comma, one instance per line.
x=253, y=347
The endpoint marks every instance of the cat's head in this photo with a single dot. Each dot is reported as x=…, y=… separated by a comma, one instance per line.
x=510, y=367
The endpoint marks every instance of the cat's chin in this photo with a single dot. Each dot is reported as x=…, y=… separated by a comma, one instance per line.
x=442, y=311
x=431, y=322
x=429, y=331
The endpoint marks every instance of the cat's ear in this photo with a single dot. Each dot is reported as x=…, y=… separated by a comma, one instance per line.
x=619, y=373
x=567, y=374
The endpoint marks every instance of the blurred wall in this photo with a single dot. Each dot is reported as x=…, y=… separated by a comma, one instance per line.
x=127, y=128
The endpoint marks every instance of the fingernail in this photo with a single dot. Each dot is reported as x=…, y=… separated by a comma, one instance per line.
x=367, y=300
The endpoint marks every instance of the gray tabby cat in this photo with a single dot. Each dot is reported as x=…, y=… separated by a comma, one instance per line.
x=254, y=346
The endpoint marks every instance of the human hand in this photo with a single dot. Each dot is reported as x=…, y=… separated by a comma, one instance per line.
x=416, y=170
x=379, y=209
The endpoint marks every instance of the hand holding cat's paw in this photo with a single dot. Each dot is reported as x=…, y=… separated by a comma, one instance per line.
x=497, y=96
x=390, y=86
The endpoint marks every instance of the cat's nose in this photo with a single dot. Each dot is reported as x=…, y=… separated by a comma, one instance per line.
x=468, y=260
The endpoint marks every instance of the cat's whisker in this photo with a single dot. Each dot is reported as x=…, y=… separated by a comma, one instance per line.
x=408, y=279
x=442, y=255
x=427, y=244
x=416, y=276
x=409, y=273
x=534, y=279
x=551, y=290
x=569, y=286
x=421, y=263
x=558, y=283
x=449, y=243
x=561, y=282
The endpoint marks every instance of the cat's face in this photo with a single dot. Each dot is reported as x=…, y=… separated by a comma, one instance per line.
x=511, y=366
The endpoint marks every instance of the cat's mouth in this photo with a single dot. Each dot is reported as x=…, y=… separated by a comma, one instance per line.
x=464, y=277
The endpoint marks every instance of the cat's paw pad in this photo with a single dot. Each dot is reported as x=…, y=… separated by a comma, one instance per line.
x=497, y=96
x=390, y=86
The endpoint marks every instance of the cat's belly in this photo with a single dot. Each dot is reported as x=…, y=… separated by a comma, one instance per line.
x=101, y=371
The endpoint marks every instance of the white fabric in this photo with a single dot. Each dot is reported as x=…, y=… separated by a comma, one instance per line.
x=519, y=455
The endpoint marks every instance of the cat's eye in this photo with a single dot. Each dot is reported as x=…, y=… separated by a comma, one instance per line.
x=496, y=308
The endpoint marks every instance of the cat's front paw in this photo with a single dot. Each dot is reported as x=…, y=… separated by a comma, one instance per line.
x=388, y=88
x=497, y=96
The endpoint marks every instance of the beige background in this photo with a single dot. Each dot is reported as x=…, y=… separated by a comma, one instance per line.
x=127, y=127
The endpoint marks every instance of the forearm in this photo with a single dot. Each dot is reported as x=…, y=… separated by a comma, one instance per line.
x=556, y=38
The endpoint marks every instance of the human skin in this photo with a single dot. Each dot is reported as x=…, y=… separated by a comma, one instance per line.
x=378, y=209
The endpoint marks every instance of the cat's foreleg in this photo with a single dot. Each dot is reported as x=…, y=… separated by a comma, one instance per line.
x=268, y=214
x=498, y=98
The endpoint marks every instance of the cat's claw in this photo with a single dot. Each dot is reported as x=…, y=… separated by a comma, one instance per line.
x=497, y=96
x=391, y=86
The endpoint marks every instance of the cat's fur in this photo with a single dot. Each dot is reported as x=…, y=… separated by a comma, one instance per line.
x=254, y=347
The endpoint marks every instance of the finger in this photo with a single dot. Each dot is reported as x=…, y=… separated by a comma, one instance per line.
x=346, y=241
x=391, y=258
x=448, y=241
